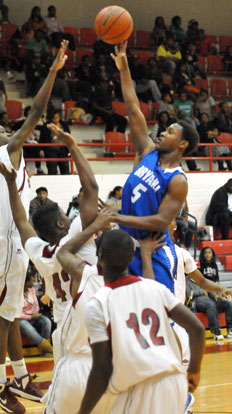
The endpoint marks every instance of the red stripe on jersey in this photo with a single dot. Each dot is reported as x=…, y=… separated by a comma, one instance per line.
x=3, y=295
x=123, y=281
x=49, y=253
x=77, y=297
x=24, y=178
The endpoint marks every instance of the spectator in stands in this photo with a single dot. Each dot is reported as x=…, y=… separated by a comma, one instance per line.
x=166, y=104
x=208, y=133
x=146, y=89
x=190, y=56
x=163, y=123
x=184, y=108
x=35, y=22
x=47, y=136
x=227, y=59
x=40, y=200
x=185, y=228
x=219, y=213
x=159, y=31
x=103, y=70
x=208, y=265
x=168, y=55
x=101, y=105
x=38, y=46
x=203, y=44
x=114, y=199
x=223, y=119
x=5, y=13
x=182, y=80
x=177, y=30
x=55, y=30
x=73, y=207
x=192, y=31
x=206, y=104
x=6, y=123
x=104, y=48
x=81, y=80
x=33, y=324
x=153, y=72
x=210, y=304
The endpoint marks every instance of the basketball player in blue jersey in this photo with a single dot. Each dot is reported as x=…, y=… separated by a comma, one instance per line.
x=157, y=188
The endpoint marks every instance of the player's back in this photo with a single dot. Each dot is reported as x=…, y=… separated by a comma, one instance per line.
x=143, y=343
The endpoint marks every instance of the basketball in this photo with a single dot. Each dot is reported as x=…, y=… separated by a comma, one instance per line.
x=113, y=24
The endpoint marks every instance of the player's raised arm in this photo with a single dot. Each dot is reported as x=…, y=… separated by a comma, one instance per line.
x=168, y=209
x=39, y=105
x=89, y=202
x=148, y=247
x=139, y=132
x=19, y=215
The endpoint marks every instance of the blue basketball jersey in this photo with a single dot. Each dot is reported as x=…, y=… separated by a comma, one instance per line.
x=142, y=195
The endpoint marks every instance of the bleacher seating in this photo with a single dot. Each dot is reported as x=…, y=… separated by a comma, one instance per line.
x=115, y=137
x=87, y=36
x=224, y=41
x=14, y=109
x=218, y=88
x=74, y=32
x=80, y=53
x=143, y=40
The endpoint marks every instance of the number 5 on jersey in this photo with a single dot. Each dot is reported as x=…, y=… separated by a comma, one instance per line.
x=137, y=192
x=148, y=316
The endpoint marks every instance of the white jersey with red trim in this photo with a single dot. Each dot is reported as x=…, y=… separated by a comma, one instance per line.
x=143, y=343
x=185, y=265
x=57, y=281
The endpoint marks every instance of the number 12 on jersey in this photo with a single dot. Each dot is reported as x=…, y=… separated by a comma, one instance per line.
x=149, y=316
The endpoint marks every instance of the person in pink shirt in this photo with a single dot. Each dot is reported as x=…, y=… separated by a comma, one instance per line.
x=33, y=324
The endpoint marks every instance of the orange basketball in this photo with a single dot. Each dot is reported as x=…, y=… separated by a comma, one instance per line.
x=113, y=24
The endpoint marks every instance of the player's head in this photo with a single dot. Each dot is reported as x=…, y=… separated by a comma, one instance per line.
x=179, y=138
x=51, y=223
x=115, y=252
x=229, y=186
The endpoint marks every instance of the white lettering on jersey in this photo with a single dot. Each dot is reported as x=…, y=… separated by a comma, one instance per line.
x=148, y=177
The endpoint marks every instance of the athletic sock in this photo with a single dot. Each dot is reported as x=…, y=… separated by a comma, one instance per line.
x=3, y=373
x=19, y=368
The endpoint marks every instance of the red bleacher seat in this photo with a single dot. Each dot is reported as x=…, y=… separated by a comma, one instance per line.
x=80, y=53
x=219, y=246
x=204, y=319
x=214, y=64
x=120, y=108
x=202, y=61
x=229, y=83
x=131, y=40
x=14, y=109
x=212, y=38
x=225, y=137
x=226, y=261
x=224, y=41
x=87, y=36
x=143, y=39
x=201, y=83
x=66, y=106
x=144, y=57
x=115, y=137
x=8, y=29
x=73, y=31
x=71, y=60
x=145, y=110
x=155, y=109
x=218, y=88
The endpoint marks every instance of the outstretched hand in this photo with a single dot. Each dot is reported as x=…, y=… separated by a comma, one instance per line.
x=62, y=136
x=61, y=57
x=104, y=219
x=119, y=57
x=10, y=175
x=152, y=243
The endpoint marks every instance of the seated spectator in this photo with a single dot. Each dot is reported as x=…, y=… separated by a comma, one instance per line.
x=55, y=30
x=103, y=70
x=104, y=48
x=35, y=22
x=182, y=80
x=219, y=213
x=114, y=198
x=153, y=72
x=208, y=265
x=177, y=30
x=4, y=12
x=185, y=228
x=73, y=207
x=184, y=108
x=47, y=136
x=210, y=304
x=190, y=56
x=40, y=200
x=206, y=104
x=227, y=59
x=166, y=104
x=33, y=324
x=208, y=133
x=223, y=119
x=159, y=31
x=81, y=80
x=38, y=46
x=101, y=105
x=192, y=31
x=6, y=123
x=163, y=123
x=203, y=44
x=31, y=152
x=168, y=55
x=146, y=88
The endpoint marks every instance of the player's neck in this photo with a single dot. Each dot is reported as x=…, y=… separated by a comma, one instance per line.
x=169, y=160
x=111, y=276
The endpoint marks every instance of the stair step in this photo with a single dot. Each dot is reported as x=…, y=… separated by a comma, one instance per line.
x=226, y=261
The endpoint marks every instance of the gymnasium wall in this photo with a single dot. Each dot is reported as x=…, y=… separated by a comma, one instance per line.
x=62, y=188
x=213, y=15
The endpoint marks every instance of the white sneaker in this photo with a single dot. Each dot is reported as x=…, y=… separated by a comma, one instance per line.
x=189, y=403
x=219, y=337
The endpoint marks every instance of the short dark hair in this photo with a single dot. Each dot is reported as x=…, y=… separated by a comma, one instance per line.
x=41, y=189
x=191, y=135
x=51, y=7
x=117, y=249
x=45, y=218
